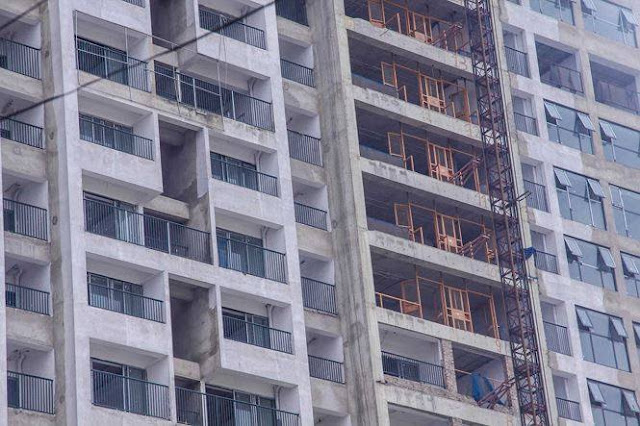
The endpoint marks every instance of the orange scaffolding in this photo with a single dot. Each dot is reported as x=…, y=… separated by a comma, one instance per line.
x=435, y=94
x=428, y=29
x=447, y=231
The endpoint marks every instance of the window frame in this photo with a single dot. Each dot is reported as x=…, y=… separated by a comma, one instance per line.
x=616, y=336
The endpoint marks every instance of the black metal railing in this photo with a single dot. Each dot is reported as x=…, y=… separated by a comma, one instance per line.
x=27, y=299
x=326, y=369
x=31, y=393
x=255, y=334
x=298, y=73
x=111, y=64
x=517, y=61
x=311, y=216
x=247, y=109
x=617, y=97
x=557, y=338
x=526, y=123
x=196, y=408
x=25, y=219
x=117, y=139
x=293, y=10
x=152, y=232
x=252, y=259
x=319, y=296
x=20, y=58
x=537, y=198
x=246, y=177
x=24, y=133
x=305, y=148
x=546, y=261
x=131, y=395
x=412, y=369
x=568, y=409
x=229, y=27
x=125, y=302
x=564, y=78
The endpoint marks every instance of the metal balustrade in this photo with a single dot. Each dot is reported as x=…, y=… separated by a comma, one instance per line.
x=305, y=148
x=131, y=395
x=296, y=72
x=546, y=261
x=517, y=61
x=31, y=393
x=27, y=299
x=196, y=408
x=526, y=123
x=152, y=232
x=537, y=198
x=120, y=140
x=557, y=338
x=111, y=64
x=21, y=132
x=310, y=216
x=243, y=176
x=326, y=369
x=568, y=409
x=412, y=369
x=125, y=302
x=293, y=10
x=252, y=259
x=247, y=109
x=25, y=219
x=20, y=58
x=564, y=78
x=231, y=27
x=257, y=335
x=319, y=296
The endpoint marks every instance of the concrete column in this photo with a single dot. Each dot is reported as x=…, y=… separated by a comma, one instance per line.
x=449, y=368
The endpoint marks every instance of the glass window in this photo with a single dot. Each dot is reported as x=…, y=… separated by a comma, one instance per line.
x=569, y=127
x=232, y=170
x=630, y=268
x=580, y=198
x=610, y=20
x=241, y=252
x=621, y=144
x=611, y=405
x=561, y=10
x=590, y=263
x=603, y=339
x=626, y=211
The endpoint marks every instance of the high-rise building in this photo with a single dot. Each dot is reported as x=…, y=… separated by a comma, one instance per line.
x=349, y=212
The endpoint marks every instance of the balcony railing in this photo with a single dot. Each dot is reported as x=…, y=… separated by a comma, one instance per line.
x=21, y=132
x=25, y=219
x=111, y=64
x=125, y=302
x=149, y=231
x=564, y=78
x=27, y=299
x=117, y=139
x=326, y=369
x=252, y=259
x=412, y=369
x=296, y=72
x=319, y=296
x=546, y=261
x=557, y=338
x=305, y=148
x=196, y=408
x=617, y=97
x=537, y=198
x=526, y=123
x=31, y=393
x=517, y=61
x=568, y=409
x=245, y=177
x=247, y=109
x=293, y=10
x=131, y=395
x=20, y=58
x=211, y=20
x=311, y=216
x=255, y=334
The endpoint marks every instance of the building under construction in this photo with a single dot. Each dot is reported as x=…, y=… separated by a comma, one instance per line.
x=320, y=212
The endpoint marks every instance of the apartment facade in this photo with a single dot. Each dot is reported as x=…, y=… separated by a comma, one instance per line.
x=248, y=213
